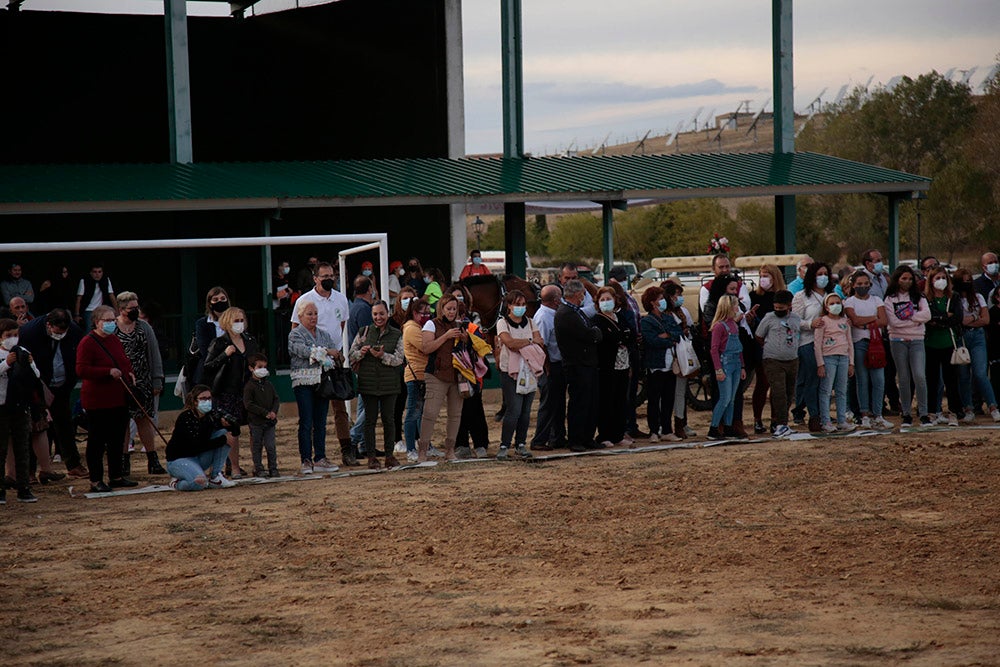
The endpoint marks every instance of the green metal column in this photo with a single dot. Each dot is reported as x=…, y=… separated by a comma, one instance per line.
x=608, y=237
x=515, y=233
x=268, y=303
x=784, y=116
x=190, y=304
x=892, y=254
x=178, y=81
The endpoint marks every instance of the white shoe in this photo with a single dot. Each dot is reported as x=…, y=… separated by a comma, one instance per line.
x=434, y=452
x=653, y=437
x=220, y=482
x=941, y=418
x=670, y=437
x=57, y=459
x=307, y=468
x=952, y=419
x=846, y=427
x=411, y=457
x=866, y=422
x=173, y=483
x=400, y=448
x=781, y=430
x=995, y=414
x=480, y=452
x=969, y=417
x=689, y=432
x=324, y=466
x=829, y=428
x=883, y=423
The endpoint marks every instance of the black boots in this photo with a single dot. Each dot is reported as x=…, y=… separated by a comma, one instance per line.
x=347, y=453
x=153, y=464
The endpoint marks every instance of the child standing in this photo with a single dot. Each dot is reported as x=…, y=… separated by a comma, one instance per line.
x=834, y=361
x=779, y=333
x=261, y=401
x=727, y=357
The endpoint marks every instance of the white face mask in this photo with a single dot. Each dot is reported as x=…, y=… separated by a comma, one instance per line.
x=940, y=283
x=57, y=336
x=607, y=306
x=835, y=308
x=765, y=282
x=239, y=327
x=401, y=272
x=9, y=343
x=261, y=373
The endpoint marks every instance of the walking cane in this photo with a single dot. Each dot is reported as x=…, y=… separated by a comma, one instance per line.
x=143, y=410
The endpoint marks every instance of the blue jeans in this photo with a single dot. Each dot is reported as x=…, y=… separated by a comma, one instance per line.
x=722, y=413
x=975, y=340
x=358, y=430
x=312, y=423
x=517, y=414
x=870, y=402
x=188, y=469
x=809, y=381
x=911, y=365
x=414, y=413
x=836, y=366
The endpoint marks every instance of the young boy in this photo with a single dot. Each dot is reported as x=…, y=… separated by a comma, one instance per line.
x=261, y=401
x=779, y=333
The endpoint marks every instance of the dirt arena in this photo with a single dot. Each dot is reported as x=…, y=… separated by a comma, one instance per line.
x=843, y=551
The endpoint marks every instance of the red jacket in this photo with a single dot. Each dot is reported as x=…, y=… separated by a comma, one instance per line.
x=93, y=366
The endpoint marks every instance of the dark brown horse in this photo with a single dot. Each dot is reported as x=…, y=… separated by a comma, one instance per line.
x=488, y=292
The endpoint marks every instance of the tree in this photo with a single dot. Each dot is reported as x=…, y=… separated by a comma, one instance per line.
x=575, y=237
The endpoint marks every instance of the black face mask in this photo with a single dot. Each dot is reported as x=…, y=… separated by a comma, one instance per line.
x=326, y=284
x=414, y=269
x=861, y=291
x=780, y=313
x=220, y=306
x=132, y=314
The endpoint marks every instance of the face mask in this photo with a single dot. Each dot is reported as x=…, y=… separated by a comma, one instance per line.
x=239, y=327
x=477, y=260
x=879, y=267
x=519, y=311
x=780, y=313
x=405, y=302
x=220, y=306
x=679, y=301
x=940, y=283
x=607, y=306
x=204, y=407
x=9, y=343
x=326, y=284
x=765, y=282
x=835, y=308
x=132, y=314
x=427, y=280
x=285, y=270
x=57, y=336
x=261, y=373
x=414, y=269
x=662, y=304
x=862, y=291
x=422, y=319
x=822, y=281
x=366, y=272
x=460, y=298
x=401, y=272
x=108, y=327
x=992, y=268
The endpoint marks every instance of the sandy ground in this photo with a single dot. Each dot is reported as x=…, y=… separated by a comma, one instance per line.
x=843, y=551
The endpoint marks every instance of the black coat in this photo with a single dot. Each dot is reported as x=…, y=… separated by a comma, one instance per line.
x=35, y=338
x=228, y=374
x=576, y=336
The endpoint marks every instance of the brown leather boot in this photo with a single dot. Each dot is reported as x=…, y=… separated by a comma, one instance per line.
x=422, y=446
x=373, y=463
x=738, y=428
x=347, y=452
x=390, y=461
x=814, y=425
x=449, y=450
x=679, y=427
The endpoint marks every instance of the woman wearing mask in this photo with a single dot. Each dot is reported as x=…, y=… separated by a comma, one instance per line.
x=368, y=271
x=405, y=295
x=434, y=281
x=415, y=276
x=975, y=318
x=143, y=351
x=227, y=365
x=660, y=333
x=438, y=339
x=473, y=431
x=944, y=331
x=908, y=312
x=674, y=294
x=617, y=339
x=198, y=444
x=808, y=305
x=206, y=327
x=769, y=282
x=418, y=313
x=396, y=273
x=864, y=312
x=519, y=343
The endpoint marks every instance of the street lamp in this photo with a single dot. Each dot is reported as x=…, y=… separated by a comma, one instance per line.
x=478, y=227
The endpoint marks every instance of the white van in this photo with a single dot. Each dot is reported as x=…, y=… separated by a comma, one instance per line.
x=495, y=260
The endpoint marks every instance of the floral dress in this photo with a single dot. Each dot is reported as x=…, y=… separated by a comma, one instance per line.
x=135, y=345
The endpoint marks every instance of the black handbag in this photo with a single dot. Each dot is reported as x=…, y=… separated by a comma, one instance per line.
x=338, y=383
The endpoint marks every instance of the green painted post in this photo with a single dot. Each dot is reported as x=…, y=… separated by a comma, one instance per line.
x=893, y=250
x=515, y=231
x=784, y=116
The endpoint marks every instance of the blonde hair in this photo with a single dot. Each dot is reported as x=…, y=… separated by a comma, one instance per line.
x=302, y=304
x=728, y=306
x=227, y=317
x=124, y=297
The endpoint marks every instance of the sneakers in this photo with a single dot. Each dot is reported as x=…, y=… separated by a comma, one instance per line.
x=3, y=495
x=846, y=427
x=46, y=477
x=273, y=472
x=942, y=418
x=759, y=428
x=411, y=457
x=522, y=452
x=307, y=468
x=463, y=453
x=883, y=423
x=653, y=437
x=714, y=433
x=995, y=414
x=828, y=427
x=122, y=482
x=481, y=453
x=953, y=419
x=689, y=432
x=969, y=417
x=324, y=466
x=908, y=421
x=925, y=420
x=866, y=422
x=400, y=447
x=781, y=430
x=220, y=482
x=173, y=483
x=26, y=496
x=434, y=452
x=259, y=472
x=502, y=454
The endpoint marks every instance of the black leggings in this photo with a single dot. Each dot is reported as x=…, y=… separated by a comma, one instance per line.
x=105, y=434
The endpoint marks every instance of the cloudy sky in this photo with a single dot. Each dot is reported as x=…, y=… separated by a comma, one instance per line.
x=596, y=68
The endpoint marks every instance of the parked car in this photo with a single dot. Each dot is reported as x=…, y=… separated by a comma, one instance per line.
x=630, y=271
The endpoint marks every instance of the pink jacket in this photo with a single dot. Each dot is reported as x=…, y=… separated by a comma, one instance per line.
x=911, y=328
x=832, y=337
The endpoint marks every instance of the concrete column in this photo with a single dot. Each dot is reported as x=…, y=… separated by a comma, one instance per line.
x=784, y=116
x=178, y=81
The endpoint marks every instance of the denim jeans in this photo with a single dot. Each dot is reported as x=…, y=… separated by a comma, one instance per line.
x=517, y=414
x=911, y=365
x=414, y=413
x=722, y=413
x=836, y=366
x=312, y=423
x=358, y=430
x=870, y=382
x=975, y=340
x=809, y=382
x=186, y=470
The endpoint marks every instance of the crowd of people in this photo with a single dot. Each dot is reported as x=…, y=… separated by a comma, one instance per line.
x=871, y=342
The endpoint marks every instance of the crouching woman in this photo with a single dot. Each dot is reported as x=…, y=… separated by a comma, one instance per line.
x=197, y=444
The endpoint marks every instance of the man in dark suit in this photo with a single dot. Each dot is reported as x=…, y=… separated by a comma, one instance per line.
x=577, y=338
x=52, y=341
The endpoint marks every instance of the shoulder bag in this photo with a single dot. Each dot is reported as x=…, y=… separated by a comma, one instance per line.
x=960, y=356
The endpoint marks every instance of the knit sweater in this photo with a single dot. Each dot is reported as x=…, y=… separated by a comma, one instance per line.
x=906, y=319
x=833, y=337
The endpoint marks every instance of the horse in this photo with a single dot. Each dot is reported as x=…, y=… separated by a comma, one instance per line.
x=488, y=293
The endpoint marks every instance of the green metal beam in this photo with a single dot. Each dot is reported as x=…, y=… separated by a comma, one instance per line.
x=608, y=237
x=515, y=229
x=515, y=238
x=784, y=116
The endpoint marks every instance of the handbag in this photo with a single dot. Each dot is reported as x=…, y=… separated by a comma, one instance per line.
x=338, y=383
x=526, y=382
x=960, y=356
x=875, y=357
x=685, y=358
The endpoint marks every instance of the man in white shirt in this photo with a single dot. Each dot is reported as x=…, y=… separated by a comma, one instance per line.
x=333, y=310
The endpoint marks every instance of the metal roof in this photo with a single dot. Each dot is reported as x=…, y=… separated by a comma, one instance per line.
x=200, y=186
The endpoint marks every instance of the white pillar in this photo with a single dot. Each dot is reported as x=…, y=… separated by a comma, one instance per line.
x=455, y=90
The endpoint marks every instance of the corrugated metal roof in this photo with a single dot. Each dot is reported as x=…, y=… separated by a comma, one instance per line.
x=109, y=187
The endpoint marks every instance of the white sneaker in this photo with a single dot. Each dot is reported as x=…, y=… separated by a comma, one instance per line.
x=653, y=437
x=689, y=432
x=220, y=482
x=883, y=423
x=307, y=468
x=324, y=466
x=400, y=448
x=866, y=422
x=411, y=457
x=57, y=459
x=173, y=483
x=846, y=427
x=941, y=418
x=952, y=419
x=829, y=428
x=995, y=414
x=480, y=452
x=781, y=430
x=969, y=417
x=434, y=452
